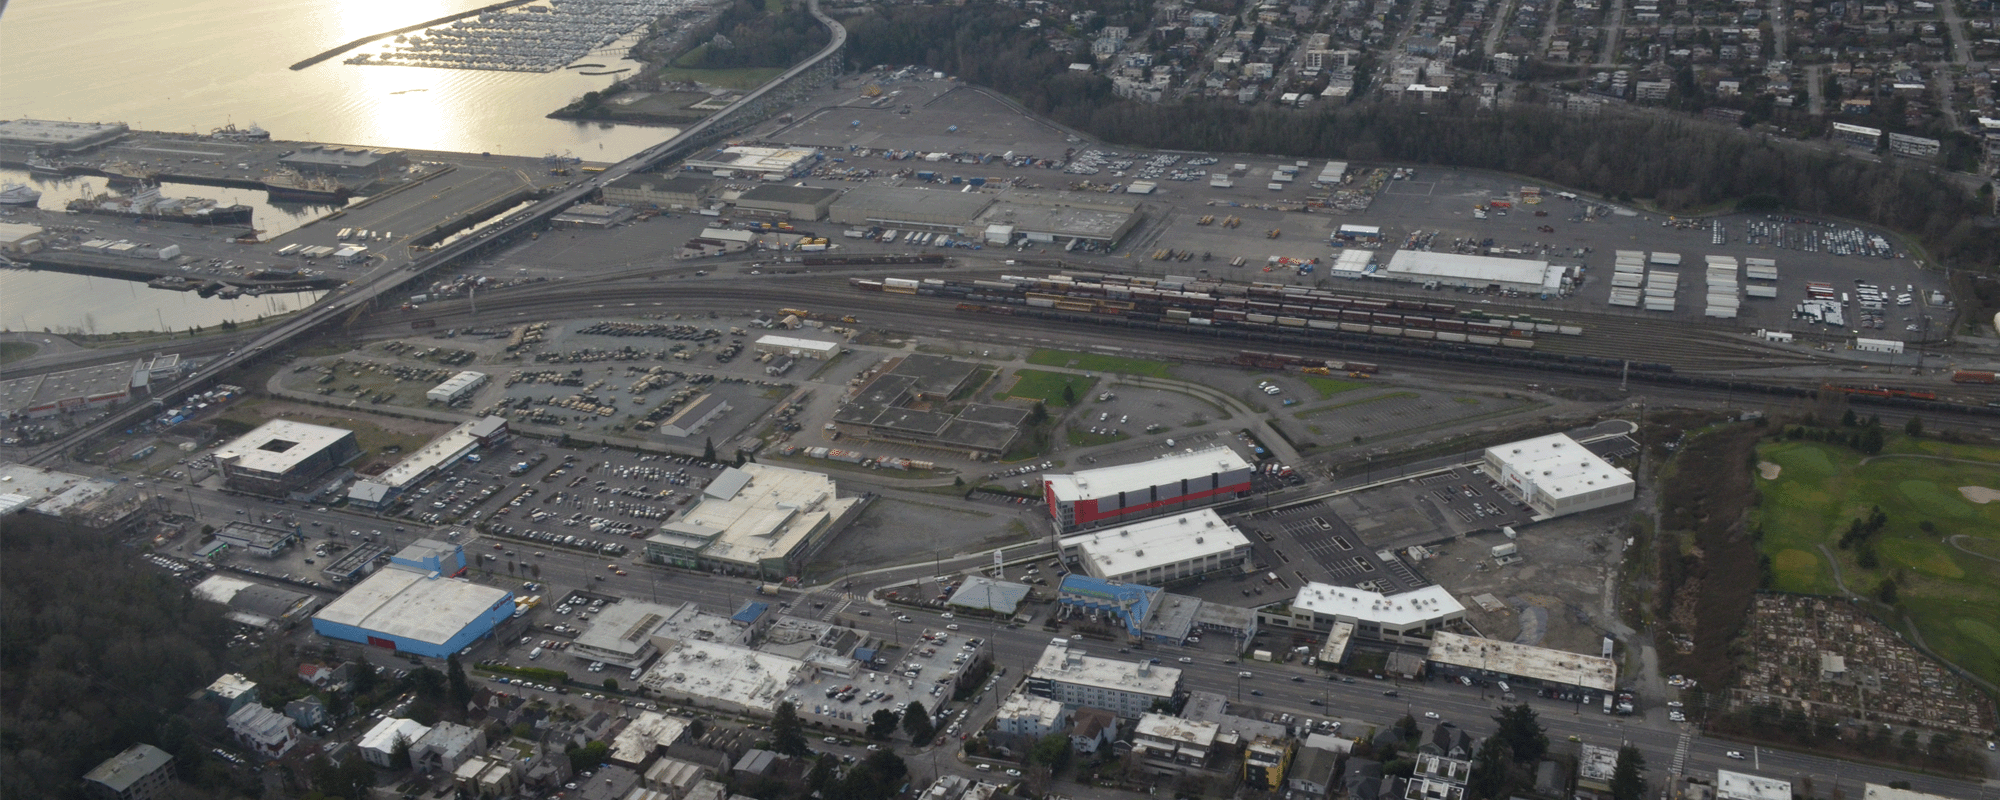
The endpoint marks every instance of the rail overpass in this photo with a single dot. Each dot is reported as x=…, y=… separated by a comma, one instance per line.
x=348, y=302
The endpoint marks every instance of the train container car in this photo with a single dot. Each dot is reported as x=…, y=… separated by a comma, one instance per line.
x=1261, y=319
x=1489, y=341
x=1292, y=322
x=997, y=285
x=1570, y=330
x=1361, y=366
x=1385, y=330
x=1354, y=327
x=1043, y=301
x=1230, y=315
x=865, y=285
x=1518, y=344
x=900, y=286
x=1451, y=336
x=1419, y=333
x=1322, y=325
x=1973, y=376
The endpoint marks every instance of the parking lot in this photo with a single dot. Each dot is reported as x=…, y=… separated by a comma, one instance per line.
x=926, y=669
x=596, y=502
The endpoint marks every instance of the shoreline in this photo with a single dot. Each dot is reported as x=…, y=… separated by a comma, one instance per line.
x=336, y=51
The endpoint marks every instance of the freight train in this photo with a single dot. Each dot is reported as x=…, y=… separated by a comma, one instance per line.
x=1207, y=303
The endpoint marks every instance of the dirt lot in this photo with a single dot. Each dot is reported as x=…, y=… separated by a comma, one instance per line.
x=1555, y=596
x=895, y=530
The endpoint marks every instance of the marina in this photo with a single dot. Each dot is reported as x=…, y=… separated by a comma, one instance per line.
x=529, y=38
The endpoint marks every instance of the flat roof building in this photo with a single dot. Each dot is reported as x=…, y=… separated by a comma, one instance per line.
x=67, y=392
x=346, y=162
x=1159, y=550
x=1075, y=679
x=1027, y=715
x=663, y=191
x=1476, y=272
x=724, y=677
x=756, y=520
x=591, y=215
x=1745, y=786
x=265, y=732
x=1455, y=654
x=456, y=387
x=1063, y=216
x=980, y=593
x=1172, y=744
x=1127, y=493
x=1410, y=617
x=1594, y=767
x=765, y=163
x=796, y=347
x=909, y=403
x=142, y=772
x=256, y=604
x=1556, y=475
x=1876, y=791
x=19, y=238
x=282, y=456
x=44, y=134
x=647, y=738
x=44, y=499
x=792, y=202
x=378, y=745
x=909, y=208
x=413, y=611
x=256, y=539
x=632, y=632
x=435, y=456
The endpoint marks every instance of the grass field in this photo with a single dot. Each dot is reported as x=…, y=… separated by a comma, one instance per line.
x=1328, y=387
x=1952, y=596
x=1098, y=362
x=11, y=352
x=738, y=78
x=1035, y=384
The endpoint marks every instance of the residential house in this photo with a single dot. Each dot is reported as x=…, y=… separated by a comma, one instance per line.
x=263, y=731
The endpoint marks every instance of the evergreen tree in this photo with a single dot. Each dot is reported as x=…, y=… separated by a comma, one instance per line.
x=819, y=778
x=787, y=733
x=883, y=724
x=1914, y=428
x=1489, y=770
x=1521, y=728
x=917, y=723
x=1628, y=779
x=708, y=450
x=1069, y=395
x=460, y=689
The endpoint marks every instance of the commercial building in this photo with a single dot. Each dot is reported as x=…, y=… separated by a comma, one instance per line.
x=282, y=456
x=1159, y=550
x=67, y=392
x=763, y=163
x=1408, y=618
x=1594, y=767
x=378, y=746
x=39, y=498
x=353, y=163
x=259, y=540
x=61, y=136
x=795, y=347
x=256, y=604
x=909, y=403
x=456, y=387
x=671, y=192
x=1125, y=688
x=1876, y=791
x=788, y=202
x=755, y=520
x=717, y=241
x=436, y=456
x=1453, y=654
x=1474, y=272
x=909, y=208
x=631, y=633
x=591, y=215
x=1127, y=493
x=1171, y=745
x=646, y=738
x=264, y=732
x=724, y=677
x=415, y=609
x=1744, y=786
x=695, y=416
x=1029, y=716
x=1555, y=475
x=142, y=772
x=1062, y=217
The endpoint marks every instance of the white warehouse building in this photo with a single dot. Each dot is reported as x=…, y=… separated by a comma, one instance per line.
x=1159, y=550
x=1125, y=688
x=1556, y=475
x=1476, y=272
x=457, y=387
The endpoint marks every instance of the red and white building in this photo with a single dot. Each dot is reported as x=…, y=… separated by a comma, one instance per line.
x=1128, y=493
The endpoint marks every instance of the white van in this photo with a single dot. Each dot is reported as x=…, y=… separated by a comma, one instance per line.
x=535, y=654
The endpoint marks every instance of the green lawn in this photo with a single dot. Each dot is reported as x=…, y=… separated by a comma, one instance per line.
x=738, y=78
x=1084, y=438
x=1035, y=384
x=1098, y=362
x=1328, y=387
x=1953, y=596
x=11, y=352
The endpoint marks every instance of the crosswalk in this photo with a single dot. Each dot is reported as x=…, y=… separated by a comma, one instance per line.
x=1681, y=752
x=834, y=609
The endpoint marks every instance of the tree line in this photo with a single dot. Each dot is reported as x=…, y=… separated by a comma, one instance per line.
x=1678, y=164
x=757, y=38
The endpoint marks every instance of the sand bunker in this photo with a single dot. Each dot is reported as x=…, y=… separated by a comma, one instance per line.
x=1769, y=470
x=1979, y=494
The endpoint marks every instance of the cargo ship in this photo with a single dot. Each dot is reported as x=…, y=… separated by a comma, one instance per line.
x=148, y=203
x=231, y=133
x=19, y=194
x=290, y=185
x=126, y=173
